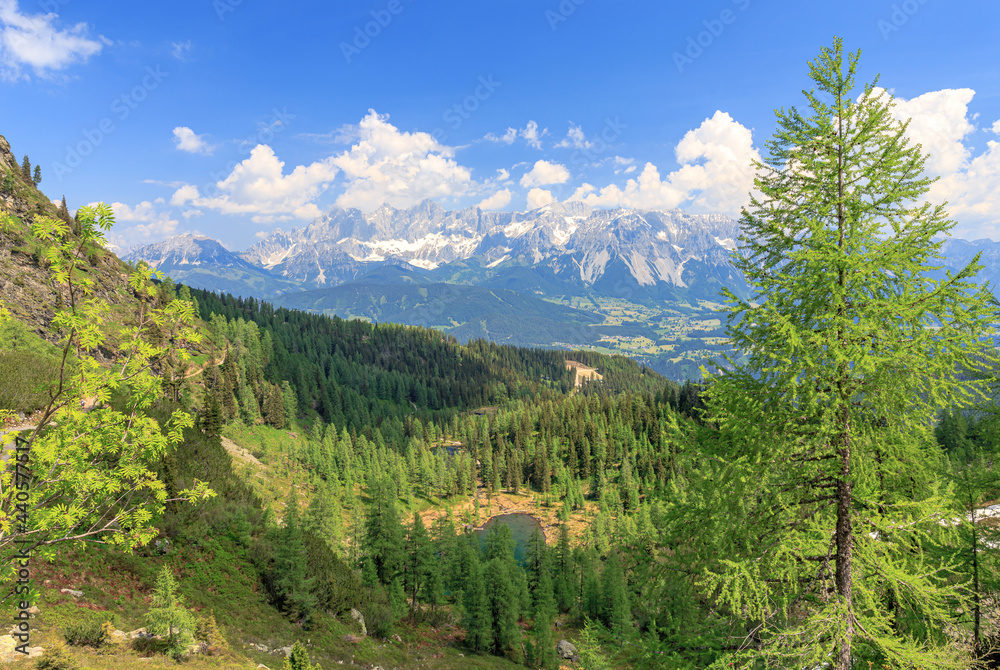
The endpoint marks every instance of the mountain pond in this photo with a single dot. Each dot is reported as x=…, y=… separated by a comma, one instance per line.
x=521, y=525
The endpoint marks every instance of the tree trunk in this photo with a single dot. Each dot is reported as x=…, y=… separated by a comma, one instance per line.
x=845, y=545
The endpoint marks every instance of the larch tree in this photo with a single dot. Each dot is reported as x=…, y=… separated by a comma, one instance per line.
x=825, y=447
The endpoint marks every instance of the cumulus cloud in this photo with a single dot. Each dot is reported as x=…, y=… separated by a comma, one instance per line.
x=35, y=42
x=398, y=168
x=498, y=200
x=531, y=134
x=575, y=139
x=145, y=223
x=258, y=188
x=187, y=140
x=544, y=173
x=715, y=175
x=941, y=123
x=383, y=166
x=538, y=197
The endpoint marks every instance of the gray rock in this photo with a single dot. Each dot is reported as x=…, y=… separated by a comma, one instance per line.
x=72, y=592
x=360, y=618
x=566, y=650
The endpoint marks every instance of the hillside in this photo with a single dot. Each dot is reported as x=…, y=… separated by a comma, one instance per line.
x=305, y=427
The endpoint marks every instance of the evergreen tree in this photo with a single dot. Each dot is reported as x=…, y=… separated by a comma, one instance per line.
x=850, y=346
x=418, y=558
x=545, y=610
x=503, y=598
x=26, y=169
x=478, y=621
x=36, y=177
x=299, y=659
x=616, y=610
x=292, y=587
x=383, y=541
x=167, y=617
x=64, y=212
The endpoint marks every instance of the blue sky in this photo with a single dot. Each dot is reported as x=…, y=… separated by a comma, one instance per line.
x=232, y=117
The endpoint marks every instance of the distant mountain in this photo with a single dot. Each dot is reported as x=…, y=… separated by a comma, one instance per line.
x=204, y=263
x=959, y=252
x=569, y=247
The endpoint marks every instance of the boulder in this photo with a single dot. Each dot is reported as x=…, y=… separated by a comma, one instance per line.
x=72, y=592
x=360, y=618
x=566, y=650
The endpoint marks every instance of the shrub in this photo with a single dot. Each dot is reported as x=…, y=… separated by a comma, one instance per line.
x=379, y=618
x=87, y=631
x=57, y=657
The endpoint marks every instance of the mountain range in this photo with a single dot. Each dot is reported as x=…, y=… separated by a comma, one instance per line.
x=561, y=275
x=644, y=255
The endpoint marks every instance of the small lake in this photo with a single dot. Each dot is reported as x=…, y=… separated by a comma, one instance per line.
x=521, y=525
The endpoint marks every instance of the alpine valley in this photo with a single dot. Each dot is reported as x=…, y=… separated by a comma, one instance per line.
x=641, y=283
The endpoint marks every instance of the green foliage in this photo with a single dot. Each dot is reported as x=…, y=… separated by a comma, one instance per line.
x=99, y=481
x=167, y=617
x=821, y=481
x=299, y=659
x=87, y=630
x=57, y=657
x=207, y=631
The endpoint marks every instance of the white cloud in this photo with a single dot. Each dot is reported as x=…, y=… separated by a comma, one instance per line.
x=150, y=223
x=530, y=134
x=940, y=123
x=179, y=50
x=624, y=165
x=498, y=200
x=398, y=168
x=575, y=139
x=183, y=195
x=970, y=184
x=258, y=187
x=544, y=173
x=538, y=197
x=33, y=41
x=187, y=140
x=504, y=175
x=715, y=175
x=383, y=166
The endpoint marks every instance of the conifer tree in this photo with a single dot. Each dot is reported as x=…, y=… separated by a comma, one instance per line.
x=850, y=344
x=168, y=617
x=26, y=169
x=299, y=659
x=292, y=585
x=616, y=609
x=64, y=211
x=383, y=541
x=478, y=621
x=418, y=558
x=36, y=177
